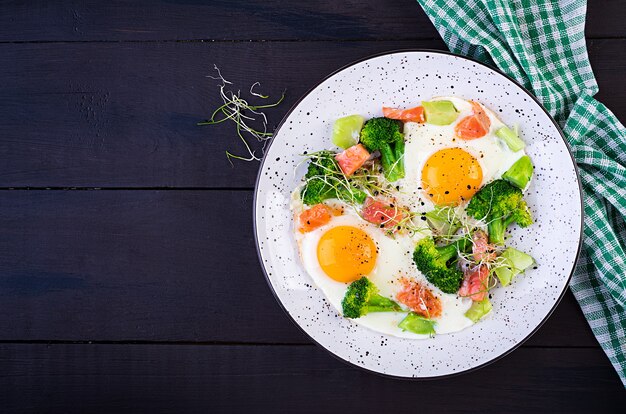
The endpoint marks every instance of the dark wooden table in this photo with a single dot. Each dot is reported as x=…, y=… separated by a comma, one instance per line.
x=129, y=280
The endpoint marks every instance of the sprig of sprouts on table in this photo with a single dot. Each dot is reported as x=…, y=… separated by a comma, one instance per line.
x=250, y=120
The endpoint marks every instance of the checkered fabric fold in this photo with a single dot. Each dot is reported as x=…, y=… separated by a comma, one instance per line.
x=542, y=45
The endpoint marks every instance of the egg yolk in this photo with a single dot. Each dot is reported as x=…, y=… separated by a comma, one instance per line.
x=346, y=253
x=451, y=176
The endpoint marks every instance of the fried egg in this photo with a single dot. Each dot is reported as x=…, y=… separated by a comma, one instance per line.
x=348, y=247
x=442, y=169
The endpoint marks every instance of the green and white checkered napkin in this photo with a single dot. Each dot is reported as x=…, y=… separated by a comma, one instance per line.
x=541, y=43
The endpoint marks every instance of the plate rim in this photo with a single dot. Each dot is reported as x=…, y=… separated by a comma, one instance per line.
x=256, y=235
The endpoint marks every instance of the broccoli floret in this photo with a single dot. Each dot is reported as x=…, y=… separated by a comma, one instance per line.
x=322, y=163
x=383, y=134
x=316, y=190
x=362, y=298
x=438, y=263
x=325, y=180
x=500, y=204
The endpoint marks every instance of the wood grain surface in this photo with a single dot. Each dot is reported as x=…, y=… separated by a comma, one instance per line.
x=129, y=279
x=246, y=20
x=154, y=266
x=291, y=379
x=128, y=117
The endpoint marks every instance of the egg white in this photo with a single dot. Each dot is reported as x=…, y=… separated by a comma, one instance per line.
x=395, y=253
x=395, y=259
x=423, y=140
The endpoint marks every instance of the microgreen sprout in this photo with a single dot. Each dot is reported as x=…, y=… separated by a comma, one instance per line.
x=368, y=178
x=408, y=223
x=327, y=177
x=468, y=259
x=249, y=119
x=366, y=181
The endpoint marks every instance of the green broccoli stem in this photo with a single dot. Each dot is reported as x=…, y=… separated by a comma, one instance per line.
x=392, y=161
x=496, y=231
x=497, y=228
x=388, y=160
x=378, y=303
x=399, y=153
x=448, y=252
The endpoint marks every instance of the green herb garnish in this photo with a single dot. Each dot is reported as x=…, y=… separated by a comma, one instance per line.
x=249, y=119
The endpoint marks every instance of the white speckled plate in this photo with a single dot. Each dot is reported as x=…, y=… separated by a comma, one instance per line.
x=403, y=79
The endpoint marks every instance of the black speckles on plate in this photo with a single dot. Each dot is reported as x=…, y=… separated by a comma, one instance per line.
x=404, y=79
